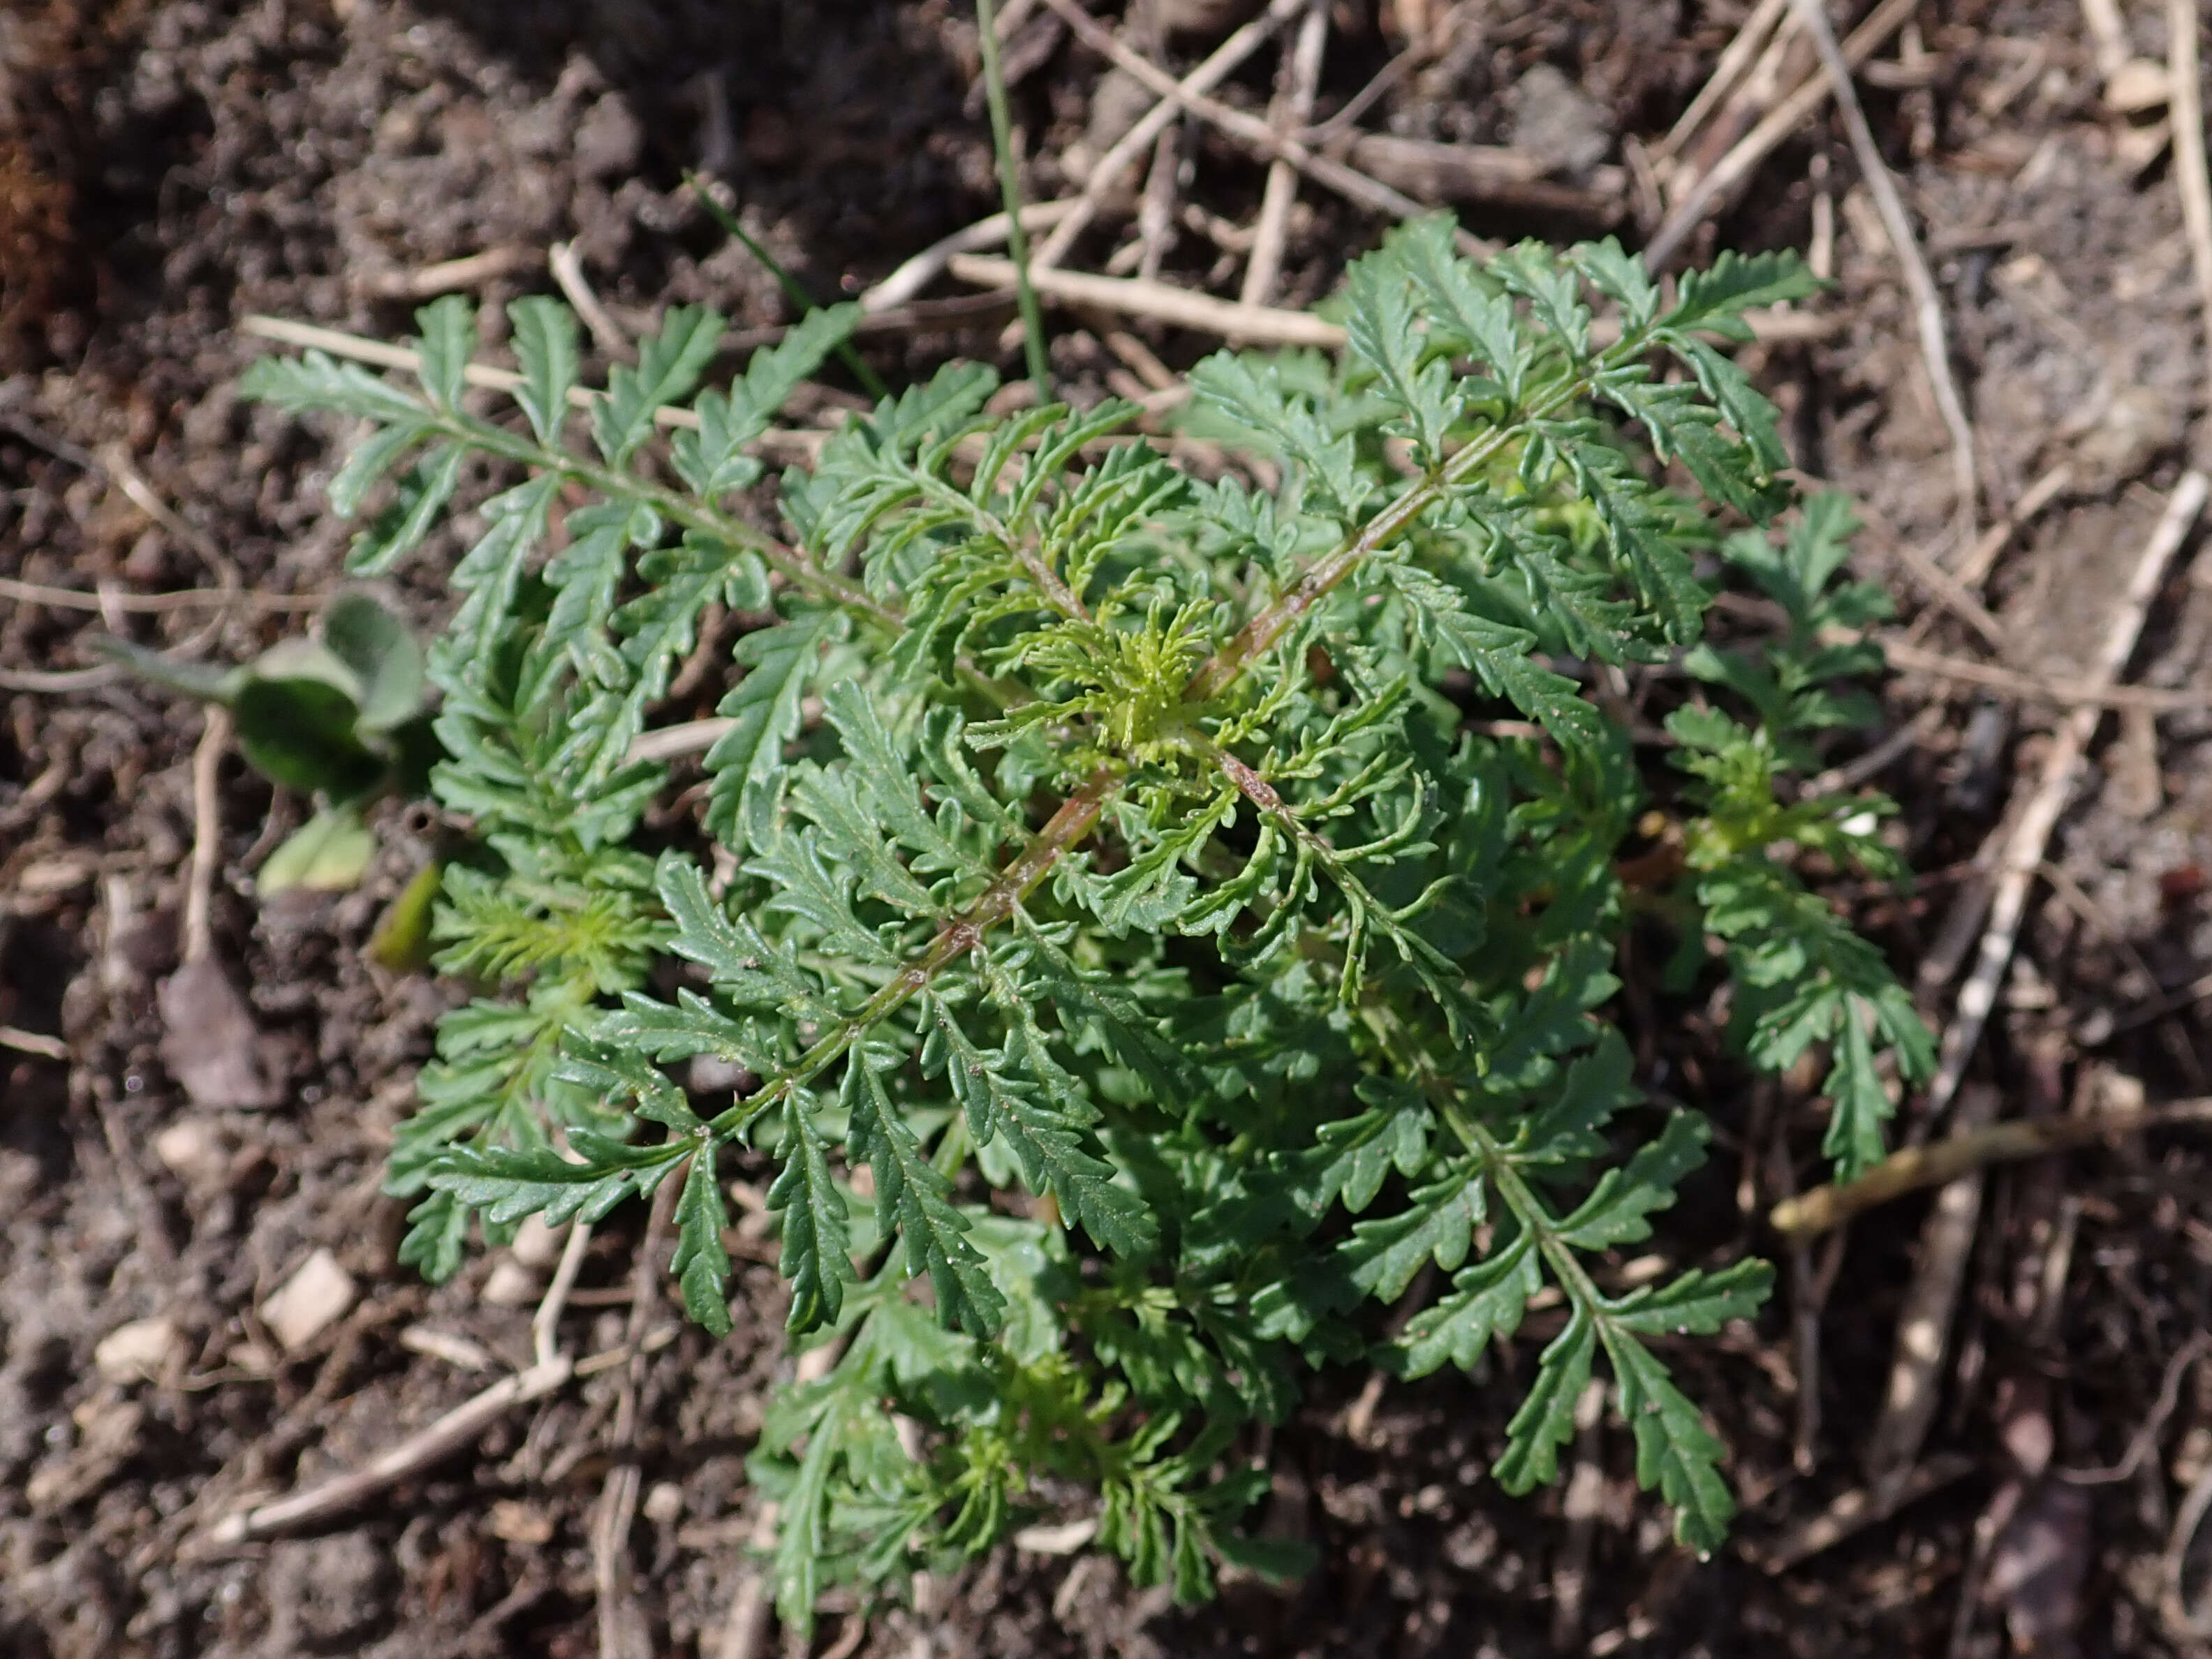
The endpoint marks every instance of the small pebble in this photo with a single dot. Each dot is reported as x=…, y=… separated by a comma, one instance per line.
x=192, y=1151
x=536, y=1245
x=511, y=1285
x=319, y=1293
x=664, y=1502
x=136, y=1352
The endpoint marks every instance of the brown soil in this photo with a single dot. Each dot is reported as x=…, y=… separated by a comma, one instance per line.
x=167, y=167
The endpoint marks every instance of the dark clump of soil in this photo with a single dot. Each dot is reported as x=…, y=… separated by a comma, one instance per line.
x=169, y=168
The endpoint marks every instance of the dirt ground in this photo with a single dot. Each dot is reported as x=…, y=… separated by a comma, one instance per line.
x=168, y=167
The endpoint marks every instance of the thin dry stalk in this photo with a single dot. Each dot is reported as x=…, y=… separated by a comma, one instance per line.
x=1923, y=1323
x=544, y=1324
x=32, y=1043
x=207, y=834
x=1913, y=1167
x=437, y=1440
x=917, y=273
x=2109, y=30
x=1729, y=175
x=745, y=1627
x=2032, y=499
x=2186, y=93
x=568, y=266
x=1179, y=307
x=152, y=604
x=623, y=1632
x=1156, y=212
x=1728, y=73
x=1927, y=302
x=450, y=275
x=2066, y=694
x=1857, y=1510
x=784, y=444
x=1251, y=132
x=2024, y=851
x=1293, y=111
x=2144, y=1441
x=1218, y=66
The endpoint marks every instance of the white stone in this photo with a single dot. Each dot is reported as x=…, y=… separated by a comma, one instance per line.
x=536, y=1245
x=511, y=1285
x=191, y=1151
x=136, y=1352
x=319, y=1293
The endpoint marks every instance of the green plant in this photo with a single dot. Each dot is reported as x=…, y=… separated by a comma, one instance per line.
x=1146, y=969
x=341, y=718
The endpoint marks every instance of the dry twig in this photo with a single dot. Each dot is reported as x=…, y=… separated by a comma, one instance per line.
x=2032, y=499
x=187, y=598
x=1251, y=132
x=449, y=275
x=1180, y=307
x=1857, y=1510
x=436, y=1441
x=1728, y=71
x=1923, y=1323
x=624, y=1632
x=2186, y=93
x=1927, y=304
x=1292, y=110
x=207, y=834
x=1913, y=1167
x=1107, y=173
x=32, y=1043
x=1728, y=175
x=2066, y=694
x=545, y=1323
x=567, y=266
x=2024, y=852
x=924, y=268
x=2144, y=1441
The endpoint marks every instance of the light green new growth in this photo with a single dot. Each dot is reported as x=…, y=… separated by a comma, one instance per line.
x=1140, y=912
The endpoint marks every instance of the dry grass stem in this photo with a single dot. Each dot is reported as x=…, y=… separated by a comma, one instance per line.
x=918, y=272
x=545, y=1323
x=1178, y=306
x=1292, y=113
x=1106, y=175
x=189, y=598
x=1923, y=1323
x=2024, y=851
x=567, y=267
x=1927, y=302
x=1786, y=120
x=32, y=1043
x=1251, y=132
x=1913, y=1168
x=2066, y=694
x=1859, y=1509
x=2038, y=495
x=437, y=1440
x=451, y=275
x=207, y=834
x=1728, y=71
x=2186, y=92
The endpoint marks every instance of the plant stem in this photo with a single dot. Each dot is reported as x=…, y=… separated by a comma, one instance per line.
x=1010, y=189
x=871, y=382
